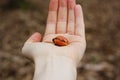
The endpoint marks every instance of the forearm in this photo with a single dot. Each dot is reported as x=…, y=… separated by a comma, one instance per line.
x=54, y=68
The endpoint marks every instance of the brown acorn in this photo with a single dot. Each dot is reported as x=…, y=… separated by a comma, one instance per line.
x=60, y=41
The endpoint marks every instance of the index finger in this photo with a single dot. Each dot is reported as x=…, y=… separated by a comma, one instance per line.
x=52, y=17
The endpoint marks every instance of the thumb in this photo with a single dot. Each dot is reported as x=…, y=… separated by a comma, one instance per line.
x=36, y=37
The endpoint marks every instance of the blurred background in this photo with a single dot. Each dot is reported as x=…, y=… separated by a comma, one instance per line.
x=21, y=18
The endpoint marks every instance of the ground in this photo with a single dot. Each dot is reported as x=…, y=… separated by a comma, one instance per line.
x=102, y=56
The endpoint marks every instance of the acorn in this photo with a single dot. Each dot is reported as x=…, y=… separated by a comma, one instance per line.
x=60, y=41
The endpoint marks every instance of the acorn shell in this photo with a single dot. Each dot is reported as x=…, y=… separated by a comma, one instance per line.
x=60, y=41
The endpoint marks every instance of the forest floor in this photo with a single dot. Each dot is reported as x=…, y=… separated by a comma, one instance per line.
x=102, y=57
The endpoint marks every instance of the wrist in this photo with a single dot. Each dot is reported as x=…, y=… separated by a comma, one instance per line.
x=54, y=68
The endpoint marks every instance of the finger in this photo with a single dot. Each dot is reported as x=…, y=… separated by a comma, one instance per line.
x=52, y=17
x=80, y=27
x=62, y=16
x=71, y=17
x=36, y=37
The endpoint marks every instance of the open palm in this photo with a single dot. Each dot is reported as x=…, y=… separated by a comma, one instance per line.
x=65, y=18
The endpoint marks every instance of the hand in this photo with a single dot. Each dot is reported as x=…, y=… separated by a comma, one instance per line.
x=65, y=18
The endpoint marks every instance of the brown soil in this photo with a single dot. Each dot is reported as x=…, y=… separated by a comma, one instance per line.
x=101, y=60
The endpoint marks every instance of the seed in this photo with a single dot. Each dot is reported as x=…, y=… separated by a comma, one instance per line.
x=60, y=41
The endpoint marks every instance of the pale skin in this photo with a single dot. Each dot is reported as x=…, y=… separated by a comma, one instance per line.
x=65, y=18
